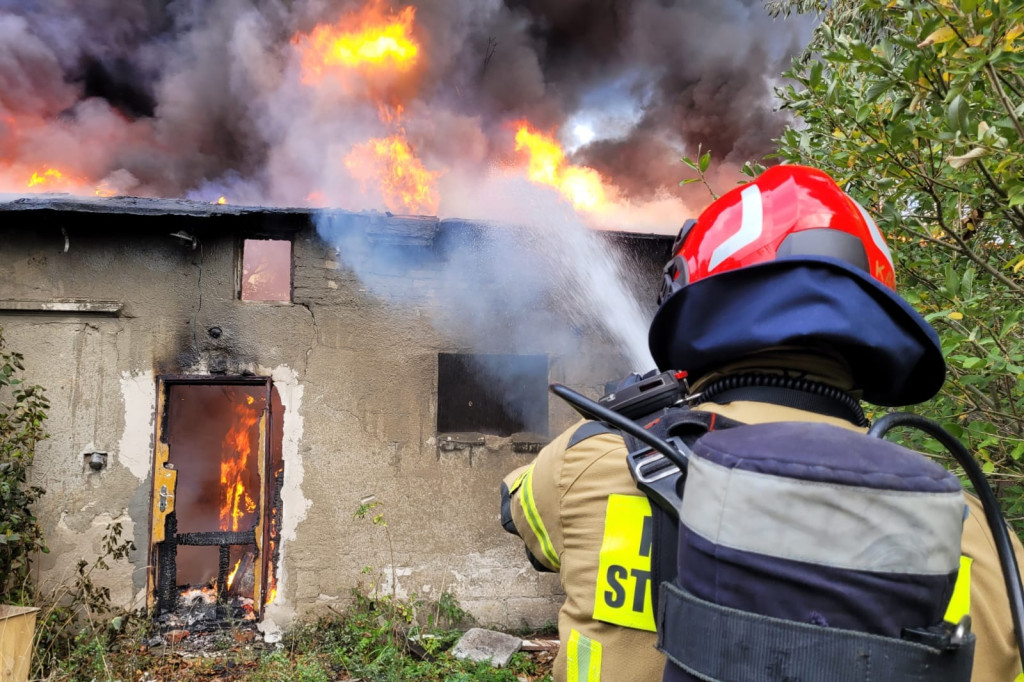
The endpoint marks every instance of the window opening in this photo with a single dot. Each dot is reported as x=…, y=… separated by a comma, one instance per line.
x=266, y=270
x=493, y=394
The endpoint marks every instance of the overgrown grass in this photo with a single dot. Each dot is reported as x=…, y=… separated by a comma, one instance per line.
x=373, y=640
x=376, y=639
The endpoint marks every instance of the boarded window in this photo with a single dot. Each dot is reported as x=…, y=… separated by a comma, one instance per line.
x=266, y=270
x=493, y=394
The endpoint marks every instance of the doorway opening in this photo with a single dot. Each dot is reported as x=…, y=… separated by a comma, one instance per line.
x=216, y=512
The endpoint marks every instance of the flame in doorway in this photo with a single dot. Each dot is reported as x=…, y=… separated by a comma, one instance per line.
x=238, y=503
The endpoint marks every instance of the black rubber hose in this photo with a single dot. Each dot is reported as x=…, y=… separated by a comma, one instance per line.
x=593, y=410
x=994, y=517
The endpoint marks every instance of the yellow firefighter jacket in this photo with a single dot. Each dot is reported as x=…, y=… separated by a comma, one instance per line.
x=579, y=513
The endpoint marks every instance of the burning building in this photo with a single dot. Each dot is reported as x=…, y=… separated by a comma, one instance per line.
x=230, y=384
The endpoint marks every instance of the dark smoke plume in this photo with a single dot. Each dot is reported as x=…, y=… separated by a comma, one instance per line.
x=702, y=74
x=199, y=98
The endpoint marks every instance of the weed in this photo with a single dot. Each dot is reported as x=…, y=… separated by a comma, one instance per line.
x=73, y=632
x=450, y=611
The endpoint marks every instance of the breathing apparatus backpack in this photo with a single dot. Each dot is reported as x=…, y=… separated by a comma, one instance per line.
x=804, y=551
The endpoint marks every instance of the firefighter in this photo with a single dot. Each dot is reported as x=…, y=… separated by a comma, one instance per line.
x=779, y=305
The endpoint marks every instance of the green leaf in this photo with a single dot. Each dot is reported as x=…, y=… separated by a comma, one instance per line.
x=1016, y=197
x=877, y=90
x=899, y=106
x=952, y=281
x=705, y=161
x=751, y=170
x=687, y=181
x=899, y=133
x=967, y=283
x=815, y=76
x=861, y=51
x=957, y=114
x=689, y=162
x=1008, y=323
x=932, y=154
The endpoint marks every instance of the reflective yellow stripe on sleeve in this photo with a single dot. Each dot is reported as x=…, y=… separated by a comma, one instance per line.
x=583, y=658
x=533, y=518
x=518, y=482
x=1019, y=678
x=960, y=602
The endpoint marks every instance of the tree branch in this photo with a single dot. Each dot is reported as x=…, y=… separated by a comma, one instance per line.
x=1004, y=100
x=997, y=188
x=967, y=250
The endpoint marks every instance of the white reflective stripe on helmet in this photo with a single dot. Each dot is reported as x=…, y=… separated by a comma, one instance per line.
x=751, y=225
x=876, y=234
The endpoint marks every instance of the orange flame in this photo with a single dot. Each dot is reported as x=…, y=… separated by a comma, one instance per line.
x=275, y=514
x=237, y=502
x=222, y=200
x=547, y=166
x=104, y=190
x=49, y=179
x=389, y=163
x=234, y=571
x=48, y=176
x=53, y=179
x=371, y=38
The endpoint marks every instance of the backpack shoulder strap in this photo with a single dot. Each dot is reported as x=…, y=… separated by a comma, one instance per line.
x=684, y=423
x=688, y=425
x=587, y=430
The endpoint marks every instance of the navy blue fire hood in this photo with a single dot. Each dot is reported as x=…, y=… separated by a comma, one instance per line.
x=893, y=354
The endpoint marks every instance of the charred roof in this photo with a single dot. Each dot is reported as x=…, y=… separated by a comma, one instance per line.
x=114, y=214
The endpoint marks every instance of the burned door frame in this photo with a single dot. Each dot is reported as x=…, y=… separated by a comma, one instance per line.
x=164, y=538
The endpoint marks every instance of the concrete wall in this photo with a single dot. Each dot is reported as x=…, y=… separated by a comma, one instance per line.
x=357, y=373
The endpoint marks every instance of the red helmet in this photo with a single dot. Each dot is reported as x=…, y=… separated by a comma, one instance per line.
x=792, y=261
x=789, y=211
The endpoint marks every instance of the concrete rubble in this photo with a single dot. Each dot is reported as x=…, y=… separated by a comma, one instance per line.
x=487, y=646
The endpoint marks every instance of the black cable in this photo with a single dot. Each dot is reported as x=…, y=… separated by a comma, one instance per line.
x=994, y=517
x=593, y=410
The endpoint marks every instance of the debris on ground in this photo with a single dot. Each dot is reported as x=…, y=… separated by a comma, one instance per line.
x=480, y=645
x=545, y=644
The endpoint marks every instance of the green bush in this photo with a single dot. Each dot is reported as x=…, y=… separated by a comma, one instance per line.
x=916, y=107
x=23, y=411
